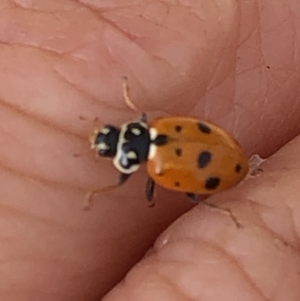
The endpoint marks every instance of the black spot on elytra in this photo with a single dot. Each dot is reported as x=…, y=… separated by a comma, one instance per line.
x=212, y=183
x=204, y=159
x=177, y=184
x=178, y=128
x=178, y=151
x=204, y=128
x=161, y=140
x=238, y=168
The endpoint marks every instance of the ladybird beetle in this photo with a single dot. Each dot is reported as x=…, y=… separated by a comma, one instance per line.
x=182, y=153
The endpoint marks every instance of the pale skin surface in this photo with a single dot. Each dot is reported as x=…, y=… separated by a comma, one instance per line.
x=235, y=64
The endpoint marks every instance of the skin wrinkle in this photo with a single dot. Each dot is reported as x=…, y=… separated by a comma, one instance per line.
x=159, y=58
x=219, y=4
x=176, y=289
x=166, y=4
x=195, y=10
x=258, y=32
x=39, y=48
x=285, y=278
x=276, y=288
x=166, y=280
x=118, y=29
x=247, y=38
x=294, y=43
x=249, y=70
x=47, y=122
x=39, y=44
x=279, y=24
x=264, y=31
x=133, y=39
x=272, y=23
x=128, y=66
x=293, y=105
x=86, y=94
x=277, y=238
x=276, y=235
x=211, y=77
x=281, y=121
x=293, y=225
x=58, y=184
x=263, y=224
x=293, y=109
x=108, y=70
x=34, y=9
x=24, y=214
x=226, y=256
x=180, y=34
x=231, y=72
x=217, y=66
x=143, y=16
x=107, y=9
x=206, y=101
x=77, y=233
x=40, y=120
x=55, y=185
x=279, y=90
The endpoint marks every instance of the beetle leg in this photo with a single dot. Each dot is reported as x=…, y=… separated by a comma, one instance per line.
x=127, y=99
x=129, y=102
x=123, y=177
x=194, y=198
x=150, y=187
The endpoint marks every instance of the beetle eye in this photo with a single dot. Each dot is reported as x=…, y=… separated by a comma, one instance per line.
x=99, y=138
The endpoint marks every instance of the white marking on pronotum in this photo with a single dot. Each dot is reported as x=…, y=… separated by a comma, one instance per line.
x=136, y=131
x=153, y=133
x=131, y=155
x=152, y=148
x=120, y=157
x=105, y=131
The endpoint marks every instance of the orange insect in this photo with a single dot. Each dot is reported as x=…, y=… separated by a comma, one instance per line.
x=182, y=153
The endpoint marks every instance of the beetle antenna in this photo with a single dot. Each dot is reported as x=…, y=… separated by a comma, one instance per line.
x=127, y=99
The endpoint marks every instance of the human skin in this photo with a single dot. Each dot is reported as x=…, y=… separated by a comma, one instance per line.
x=235, y=63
